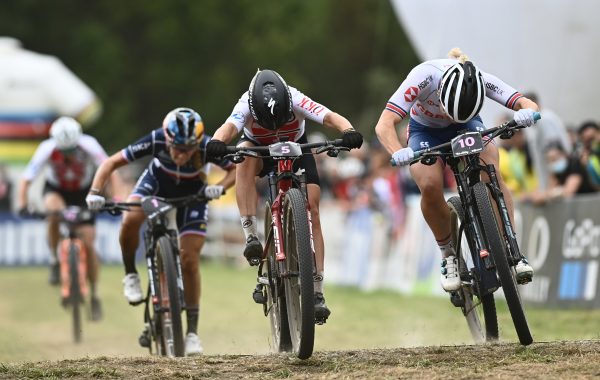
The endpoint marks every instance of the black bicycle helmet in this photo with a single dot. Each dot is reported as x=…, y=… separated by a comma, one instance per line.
x=270, y=100
x=462, y=91
x=183, y=126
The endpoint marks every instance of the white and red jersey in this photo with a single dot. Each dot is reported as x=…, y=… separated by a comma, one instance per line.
x=418, y=94
x=303, y=107
x=69, y=172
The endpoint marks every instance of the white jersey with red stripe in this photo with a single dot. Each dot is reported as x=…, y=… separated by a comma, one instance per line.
x=418, y=94
x=69, y=172
x=303, y=107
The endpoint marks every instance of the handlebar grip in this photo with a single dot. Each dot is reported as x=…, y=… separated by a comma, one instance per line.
x=417, y=155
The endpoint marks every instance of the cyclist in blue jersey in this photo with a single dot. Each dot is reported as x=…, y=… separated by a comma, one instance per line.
x=178, y=168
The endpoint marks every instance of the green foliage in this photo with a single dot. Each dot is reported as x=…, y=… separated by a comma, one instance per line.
x=144, y=58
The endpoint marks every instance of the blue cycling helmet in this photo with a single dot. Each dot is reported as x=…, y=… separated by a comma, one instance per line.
x=183, y=126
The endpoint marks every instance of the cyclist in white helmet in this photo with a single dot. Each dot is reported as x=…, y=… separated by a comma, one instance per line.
x=72, y=158
x=443, y=97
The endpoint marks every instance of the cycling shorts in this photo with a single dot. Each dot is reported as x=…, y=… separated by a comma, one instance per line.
x=421, y=136
x=71, y=198
x=192, y=218
x=306, y=162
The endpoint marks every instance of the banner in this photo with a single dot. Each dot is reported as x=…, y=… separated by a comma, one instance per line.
x=562, y=242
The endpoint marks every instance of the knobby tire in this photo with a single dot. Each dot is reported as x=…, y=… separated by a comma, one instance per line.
x=299, y=286
x=497, y=249
x=75, y=294
x=169, y=327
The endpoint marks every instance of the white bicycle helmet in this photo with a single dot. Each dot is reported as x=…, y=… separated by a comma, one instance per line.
x=462, y=91
x=66, y=132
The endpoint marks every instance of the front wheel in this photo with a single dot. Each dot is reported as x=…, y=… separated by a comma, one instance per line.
x=168, y=332
x=499, y=254
x=298, y=273
x=479, y=310
x=75, y=298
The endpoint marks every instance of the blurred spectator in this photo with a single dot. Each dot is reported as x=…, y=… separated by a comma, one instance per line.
x=589, y=150
x=516, y=165
x=549, y=129
x=5, y=190
x=35, y=89
x=568, y=176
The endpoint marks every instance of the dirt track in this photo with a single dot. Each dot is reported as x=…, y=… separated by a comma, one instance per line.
x=571, y=359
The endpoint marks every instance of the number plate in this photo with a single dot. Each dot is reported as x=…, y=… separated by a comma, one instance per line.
x=468, y=143
x=285, y=149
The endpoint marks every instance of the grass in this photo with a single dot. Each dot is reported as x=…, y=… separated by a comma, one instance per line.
x=33, y=327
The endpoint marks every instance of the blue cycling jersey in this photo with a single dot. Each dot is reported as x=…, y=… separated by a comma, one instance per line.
x=154, y=144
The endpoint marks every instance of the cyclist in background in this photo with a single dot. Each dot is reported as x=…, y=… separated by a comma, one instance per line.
x=268, y=112
x=178, y=169
x=444, y=98
x=72, y=158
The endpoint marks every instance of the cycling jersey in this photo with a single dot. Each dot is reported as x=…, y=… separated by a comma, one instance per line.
x=71, y=171
x=154, y=144
x=418, y=94
x=303, y=107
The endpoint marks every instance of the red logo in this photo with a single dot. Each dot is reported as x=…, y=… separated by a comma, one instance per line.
x=411, y=94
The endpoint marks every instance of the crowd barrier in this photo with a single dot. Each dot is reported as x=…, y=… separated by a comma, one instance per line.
x=560, y=239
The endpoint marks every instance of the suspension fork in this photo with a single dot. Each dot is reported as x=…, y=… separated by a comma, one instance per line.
x=513, y=248
x=466, y=179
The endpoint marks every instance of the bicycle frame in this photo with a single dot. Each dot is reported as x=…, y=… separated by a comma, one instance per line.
x=158, y=225
x=279, y=184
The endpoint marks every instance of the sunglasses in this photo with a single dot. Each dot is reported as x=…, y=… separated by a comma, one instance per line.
x=185, y=148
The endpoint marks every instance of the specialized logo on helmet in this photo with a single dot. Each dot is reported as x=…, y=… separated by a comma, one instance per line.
x=410, y=95
x=271, y=105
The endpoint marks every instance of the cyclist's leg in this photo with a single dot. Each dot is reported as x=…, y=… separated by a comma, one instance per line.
x=129, y=235
x=247, y=199
x=53, y=201
x=190, y=246
x=88, y=236
x=430, y=181
x=191, y=222
x=313, y=187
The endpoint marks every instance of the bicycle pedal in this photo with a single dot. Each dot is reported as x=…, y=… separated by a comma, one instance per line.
x=144, y=340
x=456, y=299
x=320, y=321
x=138, y=302
x=258, y=295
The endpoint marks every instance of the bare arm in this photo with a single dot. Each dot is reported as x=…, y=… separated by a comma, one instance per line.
x=386, y=131
x=226, y=133
x=336, y=121
x=24, y=186
x=106, y=169
x=229, y=179
x=525, y=103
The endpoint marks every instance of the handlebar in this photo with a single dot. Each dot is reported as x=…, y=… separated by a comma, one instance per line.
x=501, y=130
x=115, y=208
x=238, y=153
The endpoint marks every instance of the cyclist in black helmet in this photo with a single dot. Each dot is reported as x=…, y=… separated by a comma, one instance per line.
x=268, y=112
x=443, y=97
x=178, y=169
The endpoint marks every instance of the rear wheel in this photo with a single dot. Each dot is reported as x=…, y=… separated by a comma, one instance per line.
x=75, y=293
x=498, y=251
x=479, y=311
x=168, y=324
x=298, y=276
x=275, y=290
